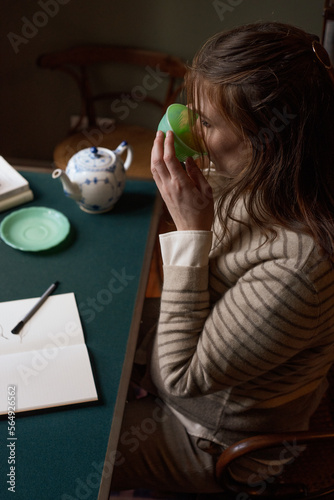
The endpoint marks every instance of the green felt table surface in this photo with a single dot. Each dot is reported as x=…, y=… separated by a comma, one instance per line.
x=59, y=453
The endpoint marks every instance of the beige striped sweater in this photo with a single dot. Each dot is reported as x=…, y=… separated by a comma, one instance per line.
x=244, y=343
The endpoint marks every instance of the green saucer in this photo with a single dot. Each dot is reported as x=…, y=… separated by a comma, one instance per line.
x=34, y=229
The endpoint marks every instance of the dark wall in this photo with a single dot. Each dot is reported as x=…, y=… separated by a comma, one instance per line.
x=36, y=104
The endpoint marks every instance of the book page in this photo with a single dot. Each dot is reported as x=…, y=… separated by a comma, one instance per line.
x=48, y=360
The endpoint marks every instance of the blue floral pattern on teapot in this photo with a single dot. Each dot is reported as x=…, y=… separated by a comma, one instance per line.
x=95, y=177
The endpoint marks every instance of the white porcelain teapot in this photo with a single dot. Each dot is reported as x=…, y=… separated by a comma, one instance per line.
x=95, y=177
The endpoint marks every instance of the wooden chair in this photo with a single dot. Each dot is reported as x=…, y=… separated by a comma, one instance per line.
x=327, y=38
x=311, y=473
x=159, y=71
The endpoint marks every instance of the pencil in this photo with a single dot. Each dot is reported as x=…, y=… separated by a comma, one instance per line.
x=38, y=304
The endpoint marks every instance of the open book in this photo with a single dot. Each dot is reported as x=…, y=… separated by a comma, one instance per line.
x=14, y=188
x=47, y=362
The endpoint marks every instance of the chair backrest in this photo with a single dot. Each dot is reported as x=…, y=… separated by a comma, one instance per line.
x=159, y=68
x=327, y=38
x=310, y=473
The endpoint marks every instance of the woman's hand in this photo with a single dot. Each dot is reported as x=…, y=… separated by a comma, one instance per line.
x=187, y=194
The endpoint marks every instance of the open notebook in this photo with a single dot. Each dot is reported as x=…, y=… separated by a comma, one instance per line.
x=47, y=361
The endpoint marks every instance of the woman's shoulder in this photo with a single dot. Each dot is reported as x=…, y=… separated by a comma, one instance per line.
x=286, y=255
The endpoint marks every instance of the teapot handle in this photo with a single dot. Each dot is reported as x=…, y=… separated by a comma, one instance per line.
x=122, y=147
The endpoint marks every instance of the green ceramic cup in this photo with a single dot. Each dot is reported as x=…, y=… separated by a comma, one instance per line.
x=176, y=119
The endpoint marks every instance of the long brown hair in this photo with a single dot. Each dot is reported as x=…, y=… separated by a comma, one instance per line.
x=267, y=80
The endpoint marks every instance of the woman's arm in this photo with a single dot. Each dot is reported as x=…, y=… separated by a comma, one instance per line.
x=265, y=320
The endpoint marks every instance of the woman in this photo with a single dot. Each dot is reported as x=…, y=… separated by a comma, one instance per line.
x=245, y=332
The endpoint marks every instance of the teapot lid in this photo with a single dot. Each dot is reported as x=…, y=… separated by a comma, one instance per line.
x=93, y=159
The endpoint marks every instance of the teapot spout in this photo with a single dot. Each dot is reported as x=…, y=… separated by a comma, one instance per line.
x=71, y=189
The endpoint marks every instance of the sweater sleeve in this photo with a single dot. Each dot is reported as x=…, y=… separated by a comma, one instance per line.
x=263, y=321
